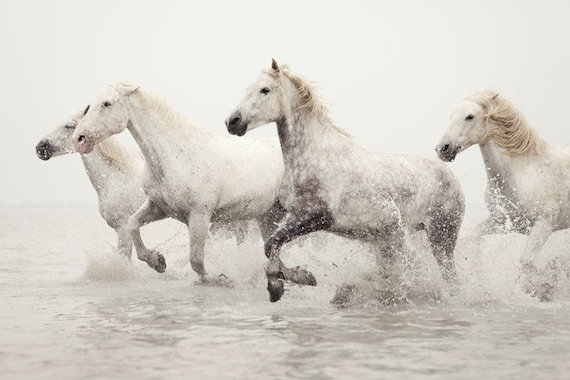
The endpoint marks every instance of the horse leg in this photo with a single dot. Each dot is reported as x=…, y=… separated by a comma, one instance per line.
x=276, y=271
x=536, y=240
x=442, y=233
x=538, y=236
x=149, y=212
x=269, y=220
x=198, y=231
x=124, y=241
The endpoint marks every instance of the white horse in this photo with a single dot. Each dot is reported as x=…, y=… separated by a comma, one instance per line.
x=192, y=175
x=528, y=180
x=115, y=174
x=336, y=185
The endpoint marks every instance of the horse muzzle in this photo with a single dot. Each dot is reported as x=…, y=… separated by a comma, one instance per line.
x=236, y=125
x=83, y=144
x=446, y=152
x=44, y=150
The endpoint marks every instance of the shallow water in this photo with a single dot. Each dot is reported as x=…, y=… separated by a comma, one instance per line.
x=72, y=309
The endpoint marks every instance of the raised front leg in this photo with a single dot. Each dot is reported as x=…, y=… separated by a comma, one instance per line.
x=268, y=222
x=148, y=213
x=276, y=271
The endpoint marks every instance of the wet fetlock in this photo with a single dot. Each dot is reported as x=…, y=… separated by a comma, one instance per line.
x=159, y=264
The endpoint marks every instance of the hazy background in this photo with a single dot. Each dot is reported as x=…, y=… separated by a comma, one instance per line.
x=391, y=71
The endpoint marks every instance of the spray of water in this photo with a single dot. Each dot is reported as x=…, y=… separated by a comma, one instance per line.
x=348, y=265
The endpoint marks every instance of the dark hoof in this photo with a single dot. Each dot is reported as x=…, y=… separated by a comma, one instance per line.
x=160, y=266
x=276, y=289
x=302, y=277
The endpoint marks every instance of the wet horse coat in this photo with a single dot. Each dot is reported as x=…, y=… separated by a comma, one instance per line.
x=528, y=180
x=333, y=184
x=115, y=174
x=191, y=175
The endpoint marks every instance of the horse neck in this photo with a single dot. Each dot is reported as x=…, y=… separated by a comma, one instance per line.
x=501, y=167
x=97, y=167
x=156, y=134
x=303, y=135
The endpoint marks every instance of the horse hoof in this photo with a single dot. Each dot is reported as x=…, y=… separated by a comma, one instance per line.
x=276, y=289
x=302, y=277
x=160, y=266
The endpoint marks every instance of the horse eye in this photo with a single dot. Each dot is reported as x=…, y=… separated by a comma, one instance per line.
x=470, y=117
x=70, y=126
x=106, y=104
x=265, y=90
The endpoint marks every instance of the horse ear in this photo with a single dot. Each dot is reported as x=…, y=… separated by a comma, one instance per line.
x=125, y=89
x=274, y=65
x=495, y=96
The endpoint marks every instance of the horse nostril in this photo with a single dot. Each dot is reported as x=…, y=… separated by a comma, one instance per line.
x=235, y=121
x=80, y=138
x=445, y=148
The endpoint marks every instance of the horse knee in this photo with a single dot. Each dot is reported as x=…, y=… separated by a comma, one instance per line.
x=269, y=220
x=132, y=226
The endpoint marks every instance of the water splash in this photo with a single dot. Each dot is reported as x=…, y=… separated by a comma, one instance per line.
x=338, y=262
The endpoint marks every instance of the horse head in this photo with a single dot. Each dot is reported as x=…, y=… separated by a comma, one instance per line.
x=262, y=103
x=108, y=115
x=58, y=142
x=468, y=126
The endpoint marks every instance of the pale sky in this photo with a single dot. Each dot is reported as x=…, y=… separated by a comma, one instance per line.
x=391, y=71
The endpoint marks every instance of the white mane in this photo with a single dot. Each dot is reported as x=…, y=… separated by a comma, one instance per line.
x=310, y=101
x=170, y=117
x=507, y=126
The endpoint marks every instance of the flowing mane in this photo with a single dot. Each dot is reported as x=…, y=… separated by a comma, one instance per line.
x=506, y=125
x=311, y=103
x=169, y=116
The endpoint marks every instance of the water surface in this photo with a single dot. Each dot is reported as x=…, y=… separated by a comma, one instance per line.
x=72, y=309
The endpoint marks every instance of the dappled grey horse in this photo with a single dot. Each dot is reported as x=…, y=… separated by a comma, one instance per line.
x=333, y=184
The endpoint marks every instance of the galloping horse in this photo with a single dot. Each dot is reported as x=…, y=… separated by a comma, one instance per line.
x=191, y=175
x=115, y=174
x=333, y=184
x=528, y=180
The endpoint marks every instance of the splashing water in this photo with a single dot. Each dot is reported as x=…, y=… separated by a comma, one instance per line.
x=73, y=308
